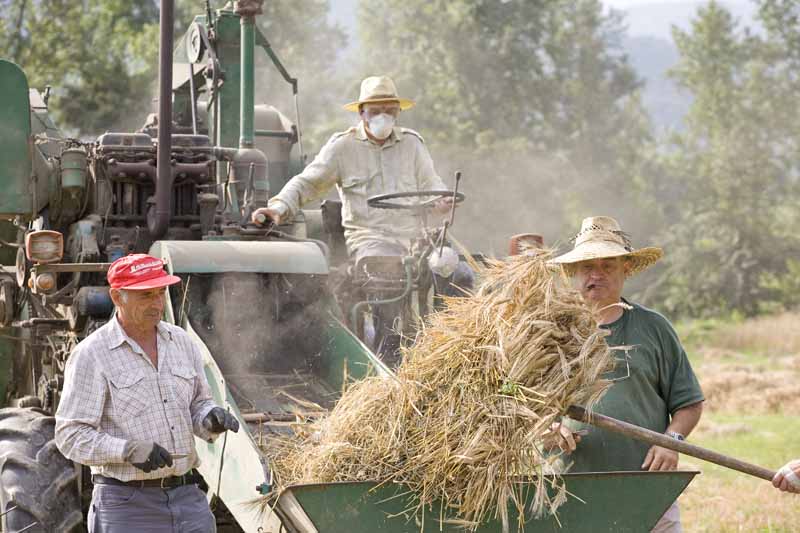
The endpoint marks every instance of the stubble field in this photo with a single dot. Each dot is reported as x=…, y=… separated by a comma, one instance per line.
x=750, y=374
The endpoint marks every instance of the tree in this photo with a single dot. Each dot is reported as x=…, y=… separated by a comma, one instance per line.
x=310, y=48
x=543, y=70
x=534, y=94
x=735, y=167
x=12, y=27
x=92, y=53
x=101, y=56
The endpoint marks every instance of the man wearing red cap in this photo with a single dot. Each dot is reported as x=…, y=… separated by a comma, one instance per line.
x=134, y=397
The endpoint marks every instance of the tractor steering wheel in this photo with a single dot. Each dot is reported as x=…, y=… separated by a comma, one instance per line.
x=383, y=201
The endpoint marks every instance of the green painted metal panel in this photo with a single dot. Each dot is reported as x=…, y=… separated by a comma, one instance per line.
x=228, y=51
x=242, y=256
x=233, y=465
x=247, y=94
x=15, y=148
x=8, y=232
x=608, y=502
x=346, y=357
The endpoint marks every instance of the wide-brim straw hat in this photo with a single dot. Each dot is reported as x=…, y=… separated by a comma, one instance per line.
x=602, y=237
x=376, y=90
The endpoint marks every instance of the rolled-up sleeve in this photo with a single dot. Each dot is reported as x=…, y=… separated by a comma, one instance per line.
x=202, y=402
x=313, y=183
x=79, y=413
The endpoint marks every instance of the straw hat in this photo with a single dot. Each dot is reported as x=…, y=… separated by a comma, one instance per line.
x=602, y=237
x=377, y=89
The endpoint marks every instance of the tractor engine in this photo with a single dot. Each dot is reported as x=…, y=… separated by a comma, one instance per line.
x=124, y=172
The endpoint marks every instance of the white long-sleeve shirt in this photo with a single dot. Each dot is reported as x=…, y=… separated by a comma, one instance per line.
x=113, y=394
x=361, y=168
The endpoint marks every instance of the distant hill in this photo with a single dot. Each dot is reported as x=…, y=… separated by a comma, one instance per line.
x=652, y=57
x=652, y=52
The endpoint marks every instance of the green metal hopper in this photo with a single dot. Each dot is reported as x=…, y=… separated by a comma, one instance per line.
x=613, y=502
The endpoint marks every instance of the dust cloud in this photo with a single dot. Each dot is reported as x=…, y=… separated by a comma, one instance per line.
x=513, y=192
x=258, y=323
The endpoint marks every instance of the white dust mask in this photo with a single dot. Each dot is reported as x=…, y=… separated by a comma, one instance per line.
x=381, y=126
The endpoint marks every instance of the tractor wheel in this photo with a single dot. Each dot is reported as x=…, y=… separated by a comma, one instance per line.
x=38, y=485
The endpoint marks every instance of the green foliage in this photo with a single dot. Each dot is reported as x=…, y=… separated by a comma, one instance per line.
x=101, y=56
x=734, y=173
x=309, y=47
x=96, y=55
x=546, y=71
x=533, y=92
x=765, y=444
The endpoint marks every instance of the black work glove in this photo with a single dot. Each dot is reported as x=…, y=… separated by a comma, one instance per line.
x=146, y=456
x=218, y=420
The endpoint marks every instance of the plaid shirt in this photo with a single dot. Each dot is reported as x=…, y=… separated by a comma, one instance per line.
x=113, y=394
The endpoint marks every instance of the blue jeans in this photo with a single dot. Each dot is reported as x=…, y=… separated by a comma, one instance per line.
x=122, y=509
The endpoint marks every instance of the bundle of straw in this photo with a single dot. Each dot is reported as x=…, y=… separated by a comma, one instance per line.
x=477, y=393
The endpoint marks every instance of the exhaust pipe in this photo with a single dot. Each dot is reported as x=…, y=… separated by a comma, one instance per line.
x=158, y=223
x=250, y=166
x=247, y=12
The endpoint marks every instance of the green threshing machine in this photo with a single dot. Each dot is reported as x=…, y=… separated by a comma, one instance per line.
x=256, y=300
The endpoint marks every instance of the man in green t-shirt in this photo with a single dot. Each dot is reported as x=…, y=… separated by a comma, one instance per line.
x=653, y=383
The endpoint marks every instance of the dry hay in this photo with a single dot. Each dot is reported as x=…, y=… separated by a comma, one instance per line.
x=747, y=389
x=774, y=335
x=466, y=415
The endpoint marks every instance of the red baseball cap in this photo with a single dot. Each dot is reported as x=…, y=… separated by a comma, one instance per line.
x=139, y=272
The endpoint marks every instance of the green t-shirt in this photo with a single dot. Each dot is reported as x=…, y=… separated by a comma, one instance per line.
x=653, y=381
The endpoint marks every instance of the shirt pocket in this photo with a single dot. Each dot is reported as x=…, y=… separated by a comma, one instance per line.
x=635, y=363
x=354, y=193
x=128, y=395
x=184, y=379
x=406, y=181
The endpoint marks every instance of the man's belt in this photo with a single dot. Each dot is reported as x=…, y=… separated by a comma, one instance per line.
x=163, y=483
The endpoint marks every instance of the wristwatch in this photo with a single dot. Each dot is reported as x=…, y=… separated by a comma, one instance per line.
x=675, y=435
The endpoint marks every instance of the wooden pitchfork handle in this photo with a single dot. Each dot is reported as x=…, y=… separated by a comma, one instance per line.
x=651, y=437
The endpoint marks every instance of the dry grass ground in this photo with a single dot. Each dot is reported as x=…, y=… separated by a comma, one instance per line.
x=750, y=373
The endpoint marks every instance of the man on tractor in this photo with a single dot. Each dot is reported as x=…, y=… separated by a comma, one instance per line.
x=369, y=159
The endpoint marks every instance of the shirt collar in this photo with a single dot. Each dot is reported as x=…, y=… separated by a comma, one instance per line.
x=622, y=318
x=361, y=135
x=117, y=335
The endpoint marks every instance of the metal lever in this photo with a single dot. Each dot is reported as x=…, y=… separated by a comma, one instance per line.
x=448, y=223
